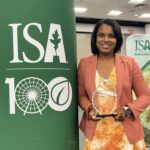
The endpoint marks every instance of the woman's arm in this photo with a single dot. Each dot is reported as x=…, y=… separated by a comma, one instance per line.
x=83, y=99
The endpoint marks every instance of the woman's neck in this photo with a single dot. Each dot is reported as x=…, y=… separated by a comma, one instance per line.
x=106, y=57
x=105, y=65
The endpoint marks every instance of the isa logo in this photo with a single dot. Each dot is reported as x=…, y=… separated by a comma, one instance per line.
x=32, y=94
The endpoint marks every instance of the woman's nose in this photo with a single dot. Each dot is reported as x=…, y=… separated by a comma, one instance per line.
x=106, y=38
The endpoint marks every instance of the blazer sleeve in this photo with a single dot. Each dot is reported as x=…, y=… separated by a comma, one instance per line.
x=141, y=90
x=83, y=100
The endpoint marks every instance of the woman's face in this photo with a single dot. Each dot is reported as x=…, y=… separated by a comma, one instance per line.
x=105, y=39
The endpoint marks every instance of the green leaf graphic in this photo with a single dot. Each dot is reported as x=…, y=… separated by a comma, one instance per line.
x=145, y=116
x=146, y=72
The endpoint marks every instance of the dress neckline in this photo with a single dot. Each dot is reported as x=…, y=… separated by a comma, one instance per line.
x=98, y=75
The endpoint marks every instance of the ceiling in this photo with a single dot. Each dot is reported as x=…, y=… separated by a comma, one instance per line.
x=99, y=8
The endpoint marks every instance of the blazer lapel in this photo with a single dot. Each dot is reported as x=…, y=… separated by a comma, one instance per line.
x=119, y=74
x=92, y=73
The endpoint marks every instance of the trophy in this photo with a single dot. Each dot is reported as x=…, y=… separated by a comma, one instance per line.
x=104, y=99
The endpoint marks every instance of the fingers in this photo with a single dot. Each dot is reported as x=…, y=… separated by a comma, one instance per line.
x=92, y=115
x=119, y=118
x=96, y=118
x=120, y=115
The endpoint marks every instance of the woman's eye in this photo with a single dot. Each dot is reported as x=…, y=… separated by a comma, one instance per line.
x=111, y=36
x=100, y=35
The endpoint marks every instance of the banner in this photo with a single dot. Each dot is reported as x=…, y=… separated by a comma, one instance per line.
x=38, y=96
x=138, y=46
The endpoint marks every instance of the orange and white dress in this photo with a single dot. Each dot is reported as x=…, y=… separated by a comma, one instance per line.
x=109, y=134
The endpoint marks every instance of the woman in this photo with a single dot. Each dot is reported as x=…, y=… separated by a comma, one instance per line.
x=105, y=83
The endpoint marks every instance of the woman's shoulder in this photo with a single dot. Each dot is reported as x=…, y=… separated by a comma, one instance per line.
x=125, y=58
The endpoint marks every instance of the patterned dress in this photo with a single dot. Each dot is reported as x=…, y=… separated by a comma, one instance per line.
x=109, y=134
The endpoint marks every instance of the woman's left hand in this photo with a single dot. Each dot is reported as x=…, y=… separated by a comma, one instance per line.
x=120, y=115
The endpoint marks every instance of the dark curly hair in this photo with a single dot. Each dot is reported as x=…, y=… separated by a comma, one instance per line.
x=117, y=32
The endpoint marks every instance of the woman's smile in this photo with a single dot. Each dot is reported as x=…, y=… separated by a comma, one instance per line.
x=105, y=45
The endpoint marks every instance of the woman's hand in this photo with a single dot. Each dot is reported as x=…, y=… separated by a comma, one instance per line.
x=92, y=114
x=120, y=115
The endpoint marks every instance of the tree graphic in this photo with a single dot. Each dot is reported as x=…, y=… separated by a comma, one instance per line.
x=56, y=40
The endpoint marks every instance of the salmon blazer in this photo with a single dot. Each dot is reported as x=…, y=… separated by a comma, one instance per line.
x=129, y=77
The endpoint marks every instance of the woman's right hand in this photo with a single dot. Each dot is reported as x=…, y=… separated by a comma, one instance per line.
x=92, y=114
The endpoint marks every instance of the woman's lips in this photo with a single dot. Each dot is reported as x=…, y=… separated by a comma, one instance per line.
x=105, y=45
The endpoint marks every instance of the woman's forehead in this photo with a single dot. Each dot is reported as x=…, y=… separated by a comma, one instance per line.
x=105, y=28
